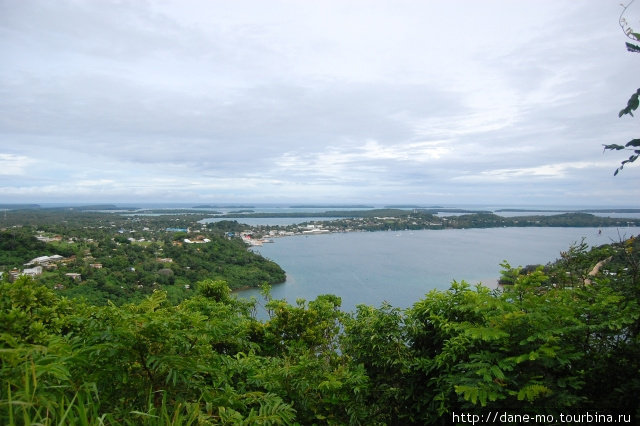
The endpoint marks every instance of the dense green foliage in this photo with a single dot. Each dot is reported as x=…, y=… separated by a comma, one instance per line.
x=560, y=339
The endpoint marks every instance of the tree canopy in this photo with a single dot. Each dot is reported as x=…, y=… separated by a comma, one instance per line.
x=559, y=339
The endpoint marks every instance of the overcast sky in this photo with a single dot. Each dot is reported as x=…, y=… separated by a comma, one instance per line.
x=428, y=102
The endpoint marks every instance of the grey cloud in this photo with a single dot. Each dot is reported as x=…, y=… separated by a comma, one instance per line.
x=263, y=119
x=221, y=100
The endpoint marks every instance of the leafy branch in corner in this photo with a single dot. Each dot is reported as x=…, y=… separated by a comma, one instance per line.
x=633, y=102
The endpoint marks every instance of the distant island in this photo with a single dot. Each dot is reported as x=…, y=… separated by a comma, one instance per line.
x=219, y=206
x=410, y=206
x=386, y=212
x=99, y=207
x=19, y=206
x=174, y=211
x=331, y=206
x=571, y=211
x=68, y=207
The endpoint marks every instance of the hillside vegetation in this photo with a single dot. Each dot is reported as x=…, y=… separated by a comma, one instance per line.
x=119, y=259
x=555, y=341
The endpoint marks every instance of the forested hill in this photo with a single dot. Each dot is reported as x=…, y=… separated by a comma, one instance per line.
x=108, y=257
x=556, y=343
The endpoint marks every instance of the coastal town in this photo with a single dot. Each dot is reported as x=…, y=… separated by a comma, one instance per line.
x=416, y=220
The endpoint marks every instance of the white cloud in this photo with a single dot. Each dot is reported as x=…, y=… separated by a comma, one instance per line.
x=371, y=162
x=13, y=164
x=413, y=152
x=544, y=171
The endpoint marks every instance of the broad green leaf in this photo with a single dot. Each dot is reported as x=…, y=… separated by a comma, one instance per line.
x=531, y=392
x=633, y=47
x=614, y=147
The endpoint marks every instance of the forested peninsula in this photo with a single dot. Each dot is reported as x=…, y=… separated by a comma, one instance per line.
x=416, y=219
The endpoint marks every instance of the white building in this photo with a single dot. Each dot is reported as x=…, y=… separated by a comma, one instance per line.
x=32, y=272
x=44, y=260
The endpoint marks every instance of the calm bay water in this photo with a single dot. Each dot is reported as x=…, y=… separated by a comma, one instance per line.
x=401, y=267
x=270, y=221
